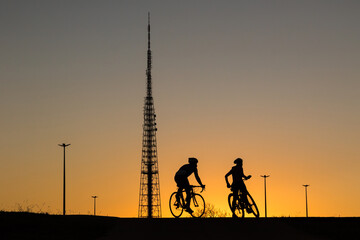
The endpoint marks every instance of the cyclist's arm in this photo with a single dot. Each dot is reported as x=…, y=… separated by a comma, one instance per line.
x=226, y=178
x=198, y=178
x=244, y=176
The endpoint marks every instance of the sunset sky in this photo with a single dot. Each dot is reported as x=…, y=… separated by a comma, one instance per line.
x=276, y=83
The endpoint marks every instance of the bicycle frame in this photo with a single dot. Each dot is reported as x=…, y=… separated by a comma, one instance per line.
x=243, y=202
x=240, y=196
x=195, y=207
x=192, y=198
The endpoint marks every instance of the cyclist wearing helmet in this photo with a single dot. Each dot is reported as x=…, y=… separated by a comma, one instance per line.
x=181, y=179
x=238, y=184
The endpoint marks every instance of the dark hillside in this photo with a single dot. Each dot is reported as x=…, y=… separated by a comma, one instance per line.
x=42, y=226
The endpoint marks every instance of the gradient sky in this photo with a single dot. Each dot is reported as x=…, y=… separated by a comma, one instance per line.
x=274, y=82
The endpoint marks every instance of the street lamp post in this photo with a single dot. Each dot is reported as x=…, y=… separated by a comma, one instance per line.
x=306, y=201
x=94, y=197
x=265, y=176
x=64, y=146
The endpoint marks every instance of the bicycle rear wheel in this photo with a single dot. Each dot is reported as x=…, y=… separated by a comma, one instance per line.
x=253, y=206
x=175, y=207
x=237, y=210
x=197, y=204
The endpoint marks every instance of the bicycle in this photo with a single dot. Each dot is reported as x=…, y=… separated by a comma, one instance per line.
x=241, y=205
x=197, y=203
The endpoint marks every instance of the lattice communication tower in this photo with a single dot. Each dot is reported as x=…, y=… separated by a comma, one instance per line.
x=149, y=199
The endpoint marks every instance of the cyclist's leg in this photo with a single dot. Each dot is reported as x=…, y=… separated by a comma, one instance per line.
x=180, y=185
x=236, y=196
x=244, y=193
x=188, y=196
x=188, y=193
x=235, y=191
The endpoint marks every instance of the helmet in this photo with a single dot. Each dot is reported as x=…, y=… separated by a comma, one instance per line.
x=238, y=161
x=193, y=160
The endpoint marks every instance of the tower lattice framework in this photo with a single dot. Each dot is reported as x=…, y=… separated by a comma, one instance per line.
x=149, y=199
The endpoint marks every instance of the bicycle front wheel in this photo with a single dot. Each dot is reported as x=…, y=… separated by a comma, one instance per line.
x=237, y=211
x=197, y=204
x=175, y=206
x=253, y=206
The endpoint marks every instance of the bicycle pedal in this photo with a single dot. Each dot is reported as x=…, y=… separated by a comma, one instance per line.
x=189, y=210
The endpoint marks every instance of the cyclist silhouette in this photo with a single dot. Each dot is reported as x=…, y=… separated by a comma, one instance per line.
x=238, y=184
x=181, y=179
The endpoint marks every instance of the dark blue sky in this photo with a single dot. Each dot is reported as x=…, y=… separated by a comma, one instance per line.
x=276, y=82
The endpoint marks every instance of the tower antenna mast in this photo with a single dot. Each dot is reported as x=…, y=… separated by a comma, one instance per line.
x=149, y=199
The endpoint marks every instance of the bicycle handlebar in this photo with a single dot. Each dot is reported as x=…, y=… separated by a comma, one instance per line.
x=244, y=178
x=203, y=187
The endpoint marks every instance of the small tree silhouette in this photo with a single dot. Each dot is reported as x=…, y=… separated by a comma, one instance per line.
x=212, y=212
